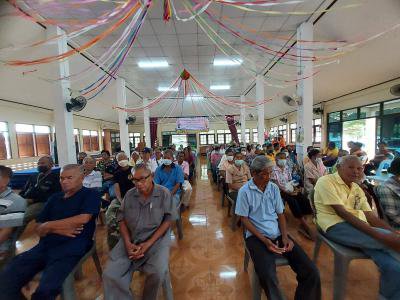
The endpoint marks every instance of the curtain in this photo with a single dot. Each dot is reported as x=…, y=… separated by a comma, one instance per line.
x=153, y=131
x=232, y=128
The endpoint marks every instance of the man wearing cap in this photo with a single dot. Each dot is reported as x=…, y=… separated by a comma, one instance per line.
x=150, y=163
x=144, y=218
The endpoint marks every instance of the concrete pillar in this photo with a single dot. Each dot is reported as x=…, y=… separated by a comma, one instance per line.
x=122, y=116
x=260, y=108
x=146, y=120
x=304, y=89
x=63, y=119
x=243, y=120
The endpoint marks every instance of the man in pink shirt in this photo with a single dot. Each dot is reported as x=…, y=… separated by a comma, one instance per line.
x=186, y=186
x=215, y=159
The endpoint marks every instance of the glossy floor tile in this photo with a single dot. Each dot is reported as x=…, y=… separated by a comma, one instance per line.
x=208, y=263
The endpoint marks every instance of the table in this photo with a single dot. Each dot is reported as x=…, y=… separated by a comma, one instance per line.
x=21, y=177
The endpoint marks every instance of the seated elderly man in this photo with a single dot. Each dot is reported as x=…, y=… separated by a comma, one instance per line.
x=158, y=155
x=66, y=226
x=92, y=179
x=150, y=163
x=226, y=162
x=144, y=218
x=237, y=175
x=39, y=188
x=345, y=216
x=12, y=209
x=170, y=175
x=298, y=204
x=260, y=208
x=389, y=195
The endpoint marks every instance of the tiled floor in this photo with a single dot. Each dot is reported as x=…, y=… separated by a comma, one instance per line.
x=208, y=263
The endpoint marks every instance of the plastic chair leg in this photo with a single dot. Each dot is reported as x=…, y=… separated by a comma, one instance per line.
x=68, y=289
x=317, y=247
x=255, y=286
x=246, y=260
x=97, y=263
x=341, y=269
x=179, y=227
x=167, y=287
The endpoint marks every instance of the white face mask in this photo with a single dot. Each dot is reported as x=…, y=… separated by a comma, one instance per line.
x=167, y=162
x=229, y=158
x=139, y=161
x=123, y=163
x=319, y=160
x=222, y=151
x=281, y=162
x=244, y=152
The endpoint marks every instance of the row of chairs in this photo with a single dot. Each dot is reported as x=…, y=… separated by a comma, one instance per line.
x=342, y=255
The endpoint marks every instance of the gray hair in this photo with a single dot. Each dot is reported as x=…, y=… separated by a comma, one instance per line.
x=75, y=167
x=117, y=157
x=259, y=163
x=141, y=166
x=89, y=159
x=346, y=159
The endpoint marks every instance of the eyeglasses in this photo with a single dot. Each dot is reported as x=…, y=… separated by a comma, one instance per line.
x=137, y=180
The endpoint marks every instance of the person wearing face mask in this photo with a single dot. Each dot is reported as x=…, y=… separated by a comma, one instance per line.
x=135, y=159
x=39, y=188
x=226, y=162
x=215, y=158
x=123, y=183
x=170, y=175
x=237, y=175
x=313, y=170
x=298, y=204
x=150, y=163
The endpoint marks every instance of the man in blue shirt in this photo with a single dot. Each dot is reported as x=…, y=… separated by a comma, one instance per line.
x=170, y=175
x=66, y=226
x=261, y=209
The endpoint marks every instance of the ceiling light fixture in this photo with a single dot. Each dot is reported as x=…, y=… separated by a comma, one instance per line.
x=167, y=89
x=227, y=62
x=220, y=87
x=153, y=64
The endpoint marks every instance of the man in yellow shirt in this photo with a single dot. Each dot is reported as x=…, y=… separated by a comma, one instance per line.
x=345, y=216
x=330, y=154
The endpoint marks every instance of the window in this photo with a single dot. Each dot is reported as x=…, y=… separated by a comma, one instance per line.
x=5, y=150
x=350, y=114
x=282, y=130
x=247, y=135
x=317, y=127
x=273, y=132
x=207, y=138
x=334, y=117
x=134, y=139
x=224, y=136
x=255, y=136
x=77, y=139
x=391, y=107
x=90, y=140
x=370, y=111
x=293, y=128
x=32, y=140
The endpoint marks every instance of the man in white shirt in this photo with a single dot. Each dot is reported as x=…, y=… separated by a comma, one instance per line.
x=93, y=179
x=150, y=163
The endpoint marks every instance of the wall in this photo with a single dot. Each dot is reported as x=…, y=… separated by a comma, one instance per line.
x=14, y=113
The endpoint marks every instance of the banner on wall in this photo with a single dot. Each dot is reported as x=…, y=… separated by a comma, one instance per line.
x=192, y=124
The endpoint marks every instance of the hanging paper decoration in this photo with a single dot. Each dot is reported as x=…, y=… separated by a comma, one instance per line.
x=167, y=10
x=185, y=75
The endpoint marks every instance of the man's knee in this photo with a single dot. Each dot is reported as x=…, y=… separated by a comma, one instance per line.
x=156, y=278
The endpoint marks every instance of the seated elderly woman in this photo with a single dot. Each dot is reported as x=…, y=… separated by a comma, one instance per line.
x=298, y=204
x=144, y=219
x=389, y=195
x=313, y=170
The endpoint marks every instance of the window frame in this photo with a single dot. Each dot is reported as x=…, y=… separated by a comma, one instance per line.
x=7, y=142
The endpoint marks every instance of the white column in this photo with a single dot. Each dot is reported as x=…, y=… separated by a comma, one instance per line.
x=260, y=108
x=304, y=89
x=122, y=116
x=243, y=120
x=146, y=121
x=63, y=119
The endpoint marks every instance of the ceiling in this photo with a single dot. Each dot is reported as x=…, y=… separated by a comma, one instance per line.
x=185, y=46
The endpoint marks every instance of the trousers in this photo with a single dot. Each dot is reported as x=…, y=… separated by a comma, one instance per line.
x=387, y=260
x=309, y=283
